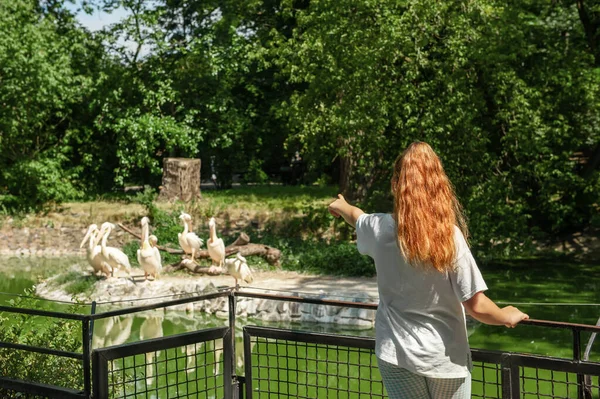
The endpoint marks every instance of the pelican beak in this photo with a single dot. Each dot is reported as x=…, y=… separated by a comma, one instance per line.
x=87, y=235
x=104, y=228
x=98, y=236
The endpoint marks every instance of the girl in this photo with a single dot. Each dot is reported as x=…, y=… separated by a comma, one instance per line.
x=426, y=278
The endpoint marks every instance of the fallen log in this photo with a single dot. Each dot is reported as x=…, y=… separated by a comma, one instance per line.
x=196, y=268
x=242, y=245
x=270, y=254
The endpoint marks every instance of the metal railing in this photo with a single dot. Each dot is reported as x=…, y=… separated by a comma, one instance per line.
x=278, y=362
x=39, y=389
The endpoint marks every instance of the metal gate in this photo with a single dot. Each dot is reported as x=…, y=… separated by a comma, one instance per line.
x=196, y=364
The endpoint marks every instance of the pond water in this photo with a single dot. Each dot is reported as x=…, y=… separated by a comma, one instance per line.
x=554, y=297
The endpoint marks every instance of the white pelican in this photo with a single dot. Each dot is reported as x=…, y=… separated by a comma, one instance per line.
x=94, y=251
x=151, y=328
x=215, y=245
x=113, y=256
x=188, y=240
x=148, y=255
x=238, y=269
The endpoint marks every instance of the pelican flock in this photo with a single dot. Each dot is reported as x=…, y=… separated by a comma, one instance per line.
x=106, y=260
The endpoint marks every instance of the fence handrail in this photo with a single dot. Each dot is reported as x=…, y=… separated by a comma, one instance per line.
x=36, y=388
x=317, y=301
x=276, y=297
x=165, y=304
x=45, y=351
x=161, y=343
x=45, y=313
x=560, y=324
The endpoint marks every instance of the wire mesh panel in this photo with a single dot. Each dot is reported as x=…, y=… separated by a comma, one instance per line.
x=538, y=383
x=192, y=365
x=287, y=364
x=545, y=377
x=486, y=380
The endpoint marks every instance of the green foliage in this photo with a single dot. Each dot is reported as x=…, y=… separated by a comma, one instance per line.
x=333, y=259
x=51, y=333
x=255, y=173
x=37, y=183
x=502, y=93
x=310, y=221
x=39, y=88
x=338, y=258
x=508, y=96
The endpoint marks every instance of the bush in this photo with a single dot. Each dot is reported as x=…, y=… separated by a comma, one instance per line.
x=255, y=173
x=339, y=258
x=35, y=183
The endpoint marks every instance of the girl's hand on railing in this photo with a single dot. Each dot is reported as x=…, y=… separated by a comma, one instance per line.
x=513, y=316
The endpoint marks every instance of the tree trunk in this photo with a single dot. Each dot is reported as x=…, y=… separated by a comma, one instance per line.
x=181, y=179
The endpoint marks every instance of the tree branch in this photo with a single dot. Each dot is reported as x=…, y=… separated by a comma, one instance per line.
x=241, y=244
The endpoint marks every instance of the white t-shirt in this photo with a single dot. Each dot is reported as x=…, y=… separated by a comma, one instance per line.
x=420, y=323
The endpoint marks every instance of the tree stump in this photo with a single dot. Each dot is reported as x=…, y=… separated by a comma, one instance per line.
x=181, y=179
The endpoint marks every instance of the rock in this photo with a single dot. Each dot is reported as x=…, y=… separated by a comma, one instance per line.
x=273, y=316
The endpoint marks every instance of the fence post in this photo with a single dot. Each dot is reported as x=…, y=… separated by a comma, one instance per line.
x=510, y=378
x=247, y=365
x=100, y=376
x=87, y=332
x=577, y=358
x=232, y=381
x=228, y=366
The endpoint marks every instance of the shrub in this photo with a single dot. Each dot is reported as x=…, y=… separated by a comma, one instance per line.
x=35, y=183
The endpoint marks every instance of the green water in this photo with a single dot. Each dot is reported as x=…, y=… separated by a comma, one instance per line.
x=543, y=282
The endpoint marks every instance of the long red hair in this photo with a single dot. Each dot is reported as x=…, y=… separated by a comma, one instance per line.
x=425, y=208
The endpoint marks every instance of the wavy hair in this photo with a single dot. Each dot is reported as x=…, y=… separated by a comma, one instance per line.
x=425, y=208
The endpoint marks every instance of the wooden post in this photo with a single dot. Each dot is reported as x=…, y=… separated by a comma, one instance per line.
x=181, y=179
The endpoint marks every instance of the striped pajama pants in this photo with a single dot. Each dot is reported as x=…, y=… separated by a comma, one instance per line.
x=402, y=384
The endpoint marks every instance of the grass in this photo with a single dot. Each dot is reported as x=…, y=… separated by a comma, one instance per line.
x=74, y=282
x=535, y=285
x=257, y=203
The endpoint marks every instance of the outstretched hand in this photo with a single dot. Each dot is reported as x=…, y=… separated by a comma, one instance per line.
x=340, y=207
x=335, y=208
